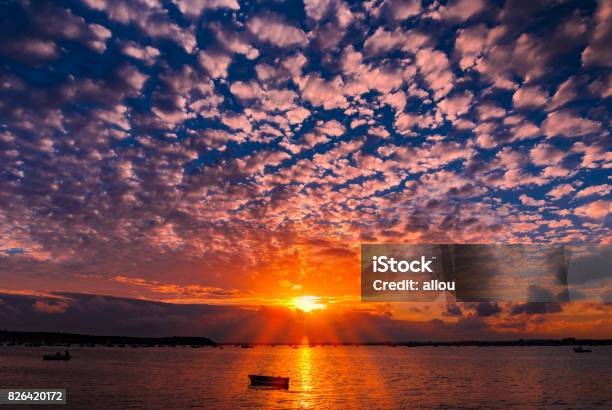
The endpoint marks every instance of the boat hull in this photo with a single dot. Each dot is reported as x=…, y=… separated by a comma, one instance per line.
x=57, y=358
x=271, y=381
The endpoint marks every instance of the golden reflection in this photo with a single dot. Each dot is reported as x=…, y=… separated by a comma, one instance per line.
x=305, y=371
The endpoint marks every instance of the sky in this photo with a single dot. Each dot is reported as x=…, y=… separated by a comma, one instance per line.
x=210, y=166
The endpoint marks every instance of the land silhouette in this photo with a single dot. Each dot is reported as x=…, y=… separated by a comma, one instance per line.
x=56, y=338
x=35, y=339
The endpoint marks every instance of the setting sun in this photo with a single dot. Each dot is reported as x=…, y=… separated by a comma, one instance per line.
x=308, y=303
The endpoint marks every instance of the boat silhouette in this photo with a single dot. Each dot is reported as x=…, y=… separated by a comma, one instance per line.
x=58, y=356
x=271, y=381
x=581, y=349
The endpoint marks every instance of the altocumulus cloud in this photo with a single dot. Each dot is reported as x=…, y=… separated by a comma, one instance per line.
x=213, y=141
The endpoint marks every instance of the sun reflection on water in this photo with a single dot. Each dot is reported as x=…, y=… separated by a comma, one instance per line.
x=305, y=371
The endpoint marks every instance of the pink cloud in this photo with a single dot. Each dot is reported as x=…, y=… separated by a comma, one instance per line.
x=566, y=124
x=595, y=210
x=461, y=10
x=546, y=154
x=470, y=44
x=529, y=97
x=403, y=9
x=150, y=17
x=602, y=87
x=237, y=122
x=594, y=154
x=598, y=190
x=328, y=94
x=297, y=115
x=434, y=67
x=566, y=92
x=147, y=54
x=30, y=50
x=246, y=91
x=529, y=201
x=193, y=8
x=484, y=134
x=490, y=111
x=383, y=41
x=407, y=121
x=396, y=100
x=272, y=29
x=234, y=42
x=525, y=130
x=599, y=51
x=215, y=63
x=458, y=104
x=560, y=191
x=563, y=223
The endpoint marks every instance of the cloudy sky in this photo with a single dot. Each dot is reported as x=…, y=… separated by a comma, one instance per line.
x=236, y=153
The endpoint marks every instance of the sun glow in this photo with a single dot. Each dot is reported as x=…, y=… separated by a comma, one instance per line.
x=308, y=303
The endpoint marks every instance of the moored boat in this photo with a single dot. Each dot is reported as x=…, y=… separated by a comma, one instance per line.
x=272, y=381
x=58, y=356
x=581, y=349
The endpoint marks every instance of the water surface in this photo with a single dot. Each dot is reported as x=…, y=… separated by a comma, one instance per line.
x=321, y=377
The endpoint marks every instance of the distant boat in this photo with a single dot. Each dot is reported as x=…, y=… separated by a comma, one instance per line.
x=278, y=382
x=247, y=346
x=58, y=356
x=581, y=349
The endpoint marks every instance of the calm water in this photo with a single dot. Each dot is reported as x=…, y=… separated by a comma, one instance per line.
x=321, y=377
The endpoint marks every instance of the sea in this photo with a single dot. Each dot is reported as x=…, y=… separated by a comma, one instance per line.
x=343, y=377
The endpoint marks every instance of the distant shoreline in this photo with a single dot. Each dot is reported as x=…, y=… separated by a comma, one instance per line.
x=36, y=339
x=56, y=338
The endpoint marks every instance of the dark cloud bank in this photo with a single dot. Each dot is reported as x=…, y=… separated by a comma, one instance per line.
x=106, y=315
